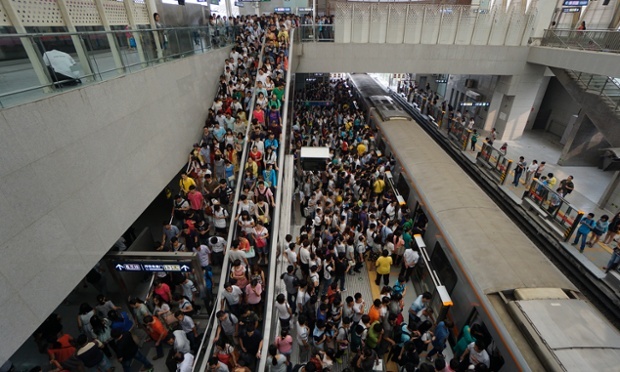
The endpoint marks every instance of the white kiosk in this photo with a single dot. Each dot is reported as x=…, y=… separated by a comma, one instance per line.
x=314, y=158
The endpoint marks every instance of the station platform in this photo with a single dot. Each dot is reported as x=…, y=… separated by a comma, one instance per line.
x=590, y=183
x=363, y=283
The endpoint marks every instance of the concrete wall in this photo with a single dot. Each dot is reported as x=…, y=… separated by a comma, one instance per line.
x=421, y=58
x=556, y=109
x=78, y=168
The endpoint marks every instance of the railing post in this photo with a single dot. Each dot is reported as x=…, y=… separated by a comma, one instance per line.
x=466, y=136
x=504, y=175
x=568, y=232
x=604, y=85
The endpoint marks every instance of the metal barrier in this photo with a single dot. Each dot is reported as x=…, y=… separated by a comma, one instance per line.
x=606, y=88
x=495, y=162
x=593, y=40
x=459, y=134
x=549, y=204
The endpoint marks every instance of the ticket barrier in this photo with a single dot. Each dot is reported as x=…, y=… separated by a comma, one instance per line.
x=459, y=135
x=494, y=162
x=549, y=205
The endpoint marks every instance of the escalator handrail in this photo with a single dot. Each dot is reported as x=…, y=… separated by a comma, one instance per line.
x=276, y=215
x=231, y=228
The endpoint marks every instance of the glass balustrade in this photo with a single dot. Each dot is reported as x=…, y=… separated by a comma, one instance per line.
x=33, y=66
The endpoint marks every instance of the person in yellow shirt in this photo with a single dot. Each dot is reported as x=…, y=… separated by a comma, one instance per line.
x=383, y=266
x=361, y=149
x=378, y=186
x=252, y=167
x=185, y=183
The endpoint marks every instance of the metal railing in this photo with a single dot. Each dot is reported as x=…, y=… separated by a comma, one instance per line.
x=495, y=161
x=65, y=60
x=592, y=40
x=561, y=212
x=607, y=88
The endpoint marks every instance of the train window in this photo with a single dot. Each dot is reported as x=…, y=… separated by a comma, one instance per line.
x=443, y=268
x=403, y=187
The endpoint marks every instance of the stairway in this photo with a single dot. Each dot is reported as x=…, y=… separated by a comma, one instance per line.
x=599, y=97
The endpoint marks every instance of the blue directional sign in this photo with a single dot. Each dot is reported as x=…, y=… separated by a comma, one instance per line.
x=153, y=266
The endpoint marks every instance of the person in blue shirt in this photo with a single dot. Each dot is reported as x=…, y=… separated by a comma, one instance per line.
x=400, y=286
x=442, y=331
x=601, y=227
x=586, y=225
x=272, y=142
x=270, y=176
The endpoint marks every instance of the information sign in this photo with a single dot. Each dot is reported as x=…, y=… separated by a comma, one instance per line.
x=475, y=104
x=153, y=266
x=574, y=9
x=575, y=2
x=282, y=10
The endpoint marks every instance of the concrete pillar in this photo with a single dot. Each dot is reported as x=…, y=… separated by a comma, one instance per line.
x=515, y=102
x=118, y=62
x=137, y=36
x=77, y=40
x=545, y=10
x=29, y=46
x=152, y=9
x=610, y=199
x=583, y=144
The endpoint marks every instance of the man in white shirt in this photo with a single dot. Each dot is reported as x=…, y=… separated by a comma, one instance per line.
x=477, y=354
x=204, y=255
x=218, y=247
x=410, y=259
x=184, y=362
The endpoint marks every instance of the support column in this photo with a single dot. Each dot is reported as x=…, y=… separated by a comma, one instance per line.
x=31, y=50
x=515, y=102
x=583, y=144
x=152, y=9
x=610, y=199
x=77, y=40
x=545, y=10
x=137, y=36
x=118, y=62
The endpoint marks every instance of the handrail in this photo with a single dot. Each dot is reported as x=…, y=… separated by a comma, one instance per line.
x=591, y=40
x=183, y=41
x=82, y=33
x=276, y=215
x=232, y=229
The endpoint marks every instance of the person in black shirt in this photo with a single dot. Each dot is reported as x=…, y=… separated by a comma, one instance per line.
x=251, y=344
x=126, y=349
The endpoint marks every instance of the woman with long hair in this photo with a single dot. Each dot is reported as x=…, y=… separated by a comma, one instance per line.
x=102, y=331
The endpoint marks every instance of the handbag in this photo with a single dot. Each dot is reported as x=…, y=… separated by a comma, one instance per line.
x=260, y=242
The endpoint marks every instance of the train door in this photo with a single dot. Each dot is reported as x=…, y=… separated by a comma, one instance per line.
x=479, y=331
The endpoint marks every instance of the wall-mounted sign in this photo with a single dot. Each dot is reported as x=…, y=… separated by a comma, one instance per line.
x=153, y=266
x=239, y=4
x=575, y=2
x=475, y=104
x=282, y=10
x=302, y=9
x=574, y=9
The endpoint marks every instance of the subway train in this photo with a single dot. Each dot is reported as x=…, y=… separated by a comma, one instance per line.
x=530, y=316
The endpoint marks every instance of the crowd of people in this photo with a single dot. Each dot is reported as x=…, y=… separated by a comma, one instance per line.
x=201, y=218
x=352, y=223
